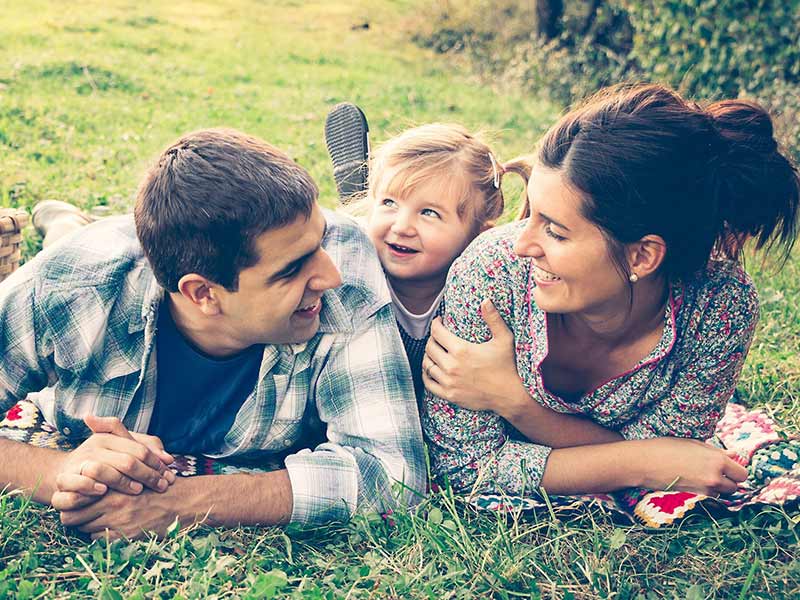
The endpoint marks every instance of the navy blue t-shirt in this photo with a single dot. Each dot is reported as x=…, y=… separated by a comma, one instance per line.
x=197, y=396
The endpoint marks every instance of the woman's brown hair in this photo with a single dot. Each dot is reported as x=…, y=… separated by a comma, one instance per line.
x=705, y=179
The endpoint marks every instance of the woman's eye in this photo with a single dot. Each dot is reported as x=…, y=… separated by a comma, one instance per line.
x=429, y=212
x=549, y=231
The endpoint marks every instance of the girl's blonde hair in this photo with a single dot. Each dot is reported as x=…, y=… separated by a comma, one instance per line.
x=436, y=149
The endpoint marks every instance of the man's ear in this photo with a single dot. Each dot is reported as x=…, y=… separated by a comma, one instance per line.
x=646, y=255
x=201, y=292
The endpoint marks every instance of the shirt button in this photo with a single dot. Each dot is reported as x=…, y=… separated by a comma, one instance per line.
x=287, y=443
x=66, y=431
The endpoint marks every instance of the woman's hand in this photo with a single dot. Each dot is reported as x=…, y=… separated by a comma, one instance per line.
x=689, y=465
x=654, y=464
x=474, y=376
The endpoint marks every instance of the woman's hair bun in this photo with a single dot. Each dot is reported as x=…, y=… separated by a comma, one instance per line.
x=743, y=122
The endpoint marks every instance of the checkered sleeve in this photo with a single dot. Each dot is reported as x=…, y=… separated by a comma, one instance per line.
x=22, y=368
x=374, y=455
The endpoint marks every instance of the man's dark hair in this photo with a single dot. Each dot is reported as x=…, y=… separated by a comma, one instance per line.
x=207, y=199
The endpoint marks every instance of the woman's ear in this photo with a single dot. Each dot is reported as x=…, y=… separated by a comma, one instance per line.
x=646, y=255
x=201, y=292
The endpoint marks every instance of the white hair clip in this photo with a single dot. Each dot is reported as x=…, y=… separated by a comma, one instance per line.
x=495, y=172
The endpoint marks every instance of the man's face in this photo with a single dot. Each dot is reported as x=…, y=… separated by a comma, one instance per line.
x=280, y=297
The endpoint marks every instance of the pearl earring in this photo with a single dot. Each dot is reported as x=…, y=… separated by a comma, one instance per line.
x=633, y=278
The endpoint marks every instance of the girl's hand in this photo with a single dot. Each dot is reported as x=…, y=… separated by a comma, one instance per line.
x=474, y=376
x=689, y=465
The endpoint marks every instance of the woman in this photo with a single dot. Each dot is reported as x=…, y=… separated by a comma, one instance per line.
x=630, y=312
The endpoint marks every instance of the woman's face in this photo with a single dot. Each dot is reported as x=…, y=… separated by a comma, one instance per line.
x=572, y=266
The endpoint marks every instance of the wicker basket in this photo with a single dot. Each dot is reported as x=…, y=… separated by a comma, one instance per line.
x=12, y=220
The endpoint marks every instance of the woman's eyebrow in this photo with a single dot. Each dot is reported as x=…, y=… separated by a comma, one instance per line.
x=553, y=221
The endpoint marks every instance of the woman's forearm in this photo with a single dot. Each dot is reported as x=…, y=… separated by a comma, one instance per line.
x=594, y=469
x=653, y=464
x=545, y=426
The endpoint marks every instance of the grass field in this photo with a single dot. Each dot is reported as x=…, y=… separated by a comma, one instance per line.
x=91, y=91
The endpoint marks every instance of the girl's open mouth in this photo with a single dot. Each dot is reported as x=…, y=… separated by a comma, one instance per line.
x=404, y=250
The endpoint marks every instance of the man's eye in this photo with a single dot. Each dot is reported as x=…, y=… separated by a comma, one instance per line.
x=291, y=272
x=429, y=212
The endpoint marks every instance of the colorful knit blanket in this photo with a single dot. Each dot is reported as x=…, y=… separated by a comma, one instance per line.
x=770, y=457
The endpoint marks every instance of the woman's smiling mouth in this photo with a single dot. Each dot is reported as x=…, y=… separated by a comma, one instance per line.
x=540, y=275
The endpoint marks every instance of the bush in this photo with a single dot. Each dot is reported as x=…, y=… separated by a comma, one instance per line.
x=707, y=49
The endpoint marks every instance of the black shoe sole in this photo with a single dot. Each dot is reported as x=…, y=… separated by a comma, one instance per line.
x=347, y=139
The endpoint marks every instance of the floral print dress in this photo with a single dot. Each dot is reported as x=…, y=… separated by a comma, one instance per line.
x=680, y=389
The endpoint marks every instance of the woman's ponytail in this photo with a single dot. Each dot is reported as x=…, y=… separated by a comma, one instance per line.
x=522, y=166
x=756, y=186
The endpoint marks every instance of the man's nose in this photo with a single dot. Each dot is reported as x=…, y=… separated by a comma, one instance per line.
x=326, y=275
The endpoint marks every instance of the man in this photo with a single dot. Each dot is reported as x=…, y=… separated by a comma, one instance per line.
x=235, y=320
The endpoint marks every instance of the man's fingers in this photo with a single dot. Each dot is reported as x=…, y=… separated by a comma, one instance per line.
x=135, y=450
x=83, y=515
x=81, y=484
x=71, y=500
x=155, y=445
x=102, y=472
x=110, y=425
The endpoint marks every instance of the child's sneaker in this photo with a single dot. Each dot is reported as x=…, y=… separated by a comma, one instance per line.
x=347, y=139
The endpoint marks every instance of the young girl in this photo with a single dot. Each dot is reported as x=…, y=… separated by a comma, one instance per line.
x=431, y=191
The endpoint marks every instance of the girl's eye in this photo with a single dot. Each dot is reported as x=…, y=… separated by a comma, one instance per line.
x=549, y=231
x=429, y=212
x=388, y=202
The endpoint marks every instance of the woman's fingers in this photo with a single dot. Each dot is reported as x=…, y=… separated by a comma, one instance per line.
x=493, y=319
x=439, y=333
x=734, y=471
x=436, y=354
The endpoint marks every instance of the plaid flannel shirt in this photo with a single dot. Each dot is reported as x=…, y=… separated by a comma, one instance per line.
x=80, y=320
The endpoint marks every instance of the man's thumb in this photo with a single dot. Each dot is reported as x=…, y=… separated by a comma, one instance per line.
x=106, y=425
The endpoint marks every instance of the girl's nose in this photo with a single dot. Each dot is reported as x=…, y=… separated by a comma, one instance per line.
x=403, y=224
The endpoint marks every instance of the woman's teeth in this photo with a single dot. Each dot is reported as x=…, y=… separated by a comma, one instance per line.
x=543, y=275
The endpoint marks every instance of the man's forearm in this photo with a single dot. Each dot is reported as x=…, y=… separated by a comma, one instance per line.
x=28, y=468
x=232, y=500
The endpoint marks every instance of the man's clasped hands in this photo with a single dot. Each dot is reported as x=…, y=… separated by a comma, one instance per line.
x=106, y=473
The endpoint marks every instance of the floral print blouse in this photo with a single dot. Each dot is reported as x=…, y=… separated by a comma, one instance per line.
x=680, y=389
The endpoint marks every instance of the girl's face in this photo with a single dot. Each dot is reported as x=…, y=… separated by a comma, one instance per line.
x=571, y=264
x=418, y=233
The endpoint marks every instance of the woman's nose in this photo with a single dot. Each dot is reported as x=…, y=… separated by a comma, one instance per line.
x=527, y=244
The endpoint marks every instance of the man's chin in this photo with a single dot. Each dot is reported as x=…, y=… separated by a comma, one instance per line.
x=303, y=329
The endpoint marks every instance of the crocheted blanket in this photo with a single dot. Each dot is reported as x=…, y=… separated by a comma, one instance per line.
x=770, y=457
